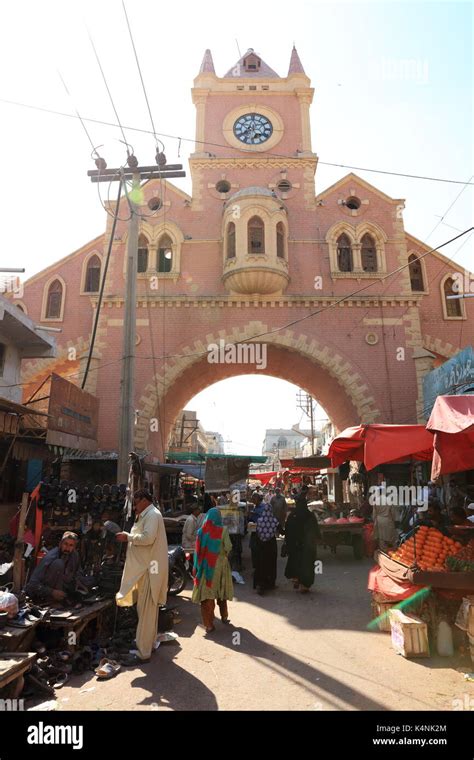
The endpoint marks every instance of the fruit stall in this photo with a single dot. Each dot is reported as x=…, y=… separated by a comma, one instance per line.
x=430, y=575
x=343, y=531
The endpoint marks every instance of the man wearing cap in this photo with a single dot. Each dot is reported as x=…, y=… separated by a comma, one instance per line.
x=145, y=575
x=190, y=528
x=59, y=573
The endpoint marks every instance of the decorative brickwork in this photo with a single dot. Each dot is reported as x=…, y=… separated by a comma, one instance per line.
x=361, y=353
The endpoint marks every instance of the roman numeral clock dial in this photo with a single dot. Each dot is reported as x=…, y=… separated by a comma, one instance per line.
x=253, y=129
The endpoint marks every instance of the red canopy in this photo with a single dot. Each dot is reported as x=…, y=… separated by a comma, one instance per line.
x=263, y=477
x=452, y=422
x=381, y=444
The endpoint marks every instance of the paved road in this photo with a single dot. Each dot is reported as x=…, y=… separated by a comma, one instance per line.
x=283, y=651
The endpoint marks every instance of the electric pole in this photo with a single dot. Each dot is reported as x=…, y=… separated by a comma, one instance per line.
x=135, y=174
x=305, y=403
x=127, y=381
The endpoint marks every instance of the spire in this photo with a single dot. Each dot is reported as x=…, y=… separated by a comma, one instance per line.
x=207, y=65
x=296, y=67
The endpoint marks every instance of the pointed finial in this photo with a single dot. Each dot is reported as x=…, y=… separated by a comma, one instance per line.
x=207, y=65
x=296, y=67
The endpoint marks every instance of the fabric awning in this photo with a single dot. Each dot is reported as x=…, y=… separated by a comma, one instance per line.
x=381, y=444
x=195, y=470
x=313, y=462
x=264, y=477
x=452, y=424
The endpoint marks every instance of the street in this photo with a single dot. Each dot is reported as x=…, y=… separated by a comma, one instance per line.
x=283, y=651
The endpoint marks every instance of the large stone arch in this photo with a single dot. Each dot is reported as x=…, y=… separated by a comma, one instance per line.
x=325, y=373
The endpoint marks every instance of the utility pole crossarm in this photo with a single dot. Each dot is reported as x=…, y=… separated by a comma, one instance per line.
x=154, y=169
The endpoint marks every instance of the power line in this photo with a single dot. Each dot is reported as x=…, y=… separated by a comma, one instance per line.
x=277, y=329
x=77, y=112
x=449, y=208
x=102, y=286
x=355, y=292
x=106, y=86
x=268, y=157
x=139, y=69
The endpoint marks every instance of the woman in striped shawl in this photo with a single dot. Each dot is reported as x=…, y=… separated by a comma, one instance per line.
x=212, y=573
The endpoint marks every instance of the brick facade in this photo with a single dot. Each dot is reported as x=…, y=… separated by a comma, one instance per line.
x=363, y=358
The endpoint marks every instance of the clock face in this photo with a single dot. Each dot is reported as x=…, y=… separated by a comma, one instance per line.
x=253, y=129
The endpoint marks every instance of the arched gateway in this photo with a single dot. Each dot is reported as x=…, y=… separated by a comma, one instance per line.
x=256, y=255
x=337, y=384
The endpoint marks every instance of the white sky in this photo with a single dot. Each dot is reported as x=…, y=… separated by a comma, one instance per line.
x=393, y=91
x=242, y=408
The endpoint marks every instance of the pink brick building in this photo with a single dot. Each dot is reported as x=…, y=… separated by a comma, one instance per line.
x=257, y=246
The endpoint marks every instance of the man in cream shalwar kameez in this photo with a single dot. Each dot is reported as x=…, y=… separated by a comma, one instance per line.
x=145, y=575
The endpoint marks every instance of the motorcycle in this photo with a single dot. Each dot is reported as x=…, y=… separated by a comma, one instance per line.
x=177, y=571
x=189, y=563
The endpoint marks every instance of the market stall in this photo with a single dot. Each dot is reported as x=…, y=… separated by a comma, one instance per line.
x=432, y=575
x=381, y=444
x=452, y=425
x=13, y=667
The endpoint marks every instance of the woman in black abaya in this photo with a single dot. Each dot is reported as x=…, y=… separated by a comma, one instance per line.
x=301, y=534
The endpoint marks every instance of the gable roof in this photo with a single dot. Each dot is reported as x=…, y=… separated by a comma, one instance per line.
x=169, y=187
x=361, y=182
x=437, y=254
x=263, y=72
x=97, y=242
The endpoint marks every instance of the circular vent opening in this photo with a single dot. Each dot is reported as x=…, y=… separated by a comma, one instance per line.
x=284, y=186
x=372, y=338
x=353, y=203
x=223, y=186
x=154, y=203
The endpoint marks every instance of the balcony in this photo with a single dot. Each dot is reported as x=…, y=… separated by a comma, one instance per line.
x=255, y=234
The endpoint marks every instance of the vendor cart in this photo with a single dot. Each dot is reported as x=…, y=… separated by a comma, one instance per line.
x=343, y=534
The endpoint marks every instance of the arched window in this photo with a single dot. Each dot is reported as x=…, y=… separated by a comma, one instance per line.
x=256, y=233
x=344, y=254
x=54, y=300
x=416, y=273
x=281, y=240
x=453, y=305
x=368, y=254
x=231, y=240
x=165, y=254
x=92, y=282
x=142, y=260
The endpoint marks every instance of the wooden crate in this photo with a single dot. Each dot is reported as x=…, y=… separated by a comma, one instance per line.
x=381, y=606
x=409, y=635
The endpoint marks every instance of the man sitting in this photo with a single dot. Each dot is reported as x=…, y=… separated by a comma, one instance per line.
x=59, y=574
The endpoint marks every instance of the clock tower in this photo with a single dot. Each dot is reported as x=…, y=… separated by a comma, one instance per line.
x=251, y=109
x=253, y=153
